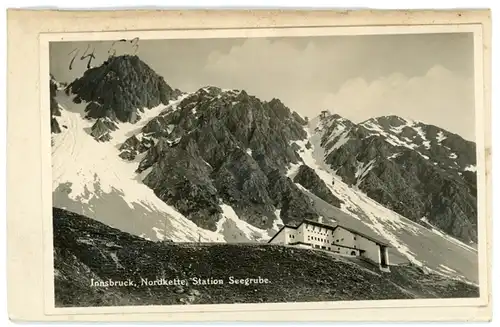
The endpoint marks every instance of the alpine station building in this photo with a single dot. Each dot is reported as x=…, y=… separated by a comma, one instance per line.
x=336, y=238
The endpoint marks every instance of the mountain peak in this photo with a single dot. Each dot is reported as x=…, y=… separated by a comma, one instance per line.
x=389, y=121
x=120, y=88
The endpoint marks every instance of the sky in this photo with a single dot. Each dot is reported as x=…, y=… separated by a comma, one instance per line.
x=426, y=77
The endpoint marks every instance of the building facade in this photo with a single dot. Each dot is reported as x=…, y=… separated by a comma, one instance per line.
x=335, y=238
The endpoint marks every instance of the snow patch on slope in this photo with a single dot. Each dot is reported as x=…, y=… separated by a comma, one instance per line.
x=471, y=168
x=236, y=230
x=421, y=133
x=278, y=222
x=362, y=170
x=388, y=137
x=394, y=155
x=447, y=269
x=440, y=137
x=341, y=141
x=116, y=260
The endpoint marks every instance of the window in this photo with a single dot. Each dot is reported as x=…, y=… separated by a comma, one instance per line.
x=355, y=237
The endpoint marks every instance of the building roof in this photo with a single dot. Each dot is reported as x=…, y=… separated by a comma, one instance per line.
x=316, y=223
x=354, y=231
x=365, y=236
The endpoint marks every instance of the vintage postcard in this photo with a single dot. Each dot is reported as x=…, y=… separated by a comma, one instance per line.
x=255, y=168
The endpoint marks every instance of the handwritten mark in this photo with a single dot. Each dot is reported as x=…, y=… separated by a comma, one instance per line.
x=85, y=55
x=91, y=54
x=134, y=42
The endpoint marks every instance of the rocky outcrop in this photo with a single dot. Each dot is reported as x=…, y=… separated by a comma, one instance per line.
x=120, y=89
x=133, y=146
x=294, y=205
x=54, y=108
x=102, y=128
x=223, y=147
x=308, y=178
x=54, y=126
x=417, y=170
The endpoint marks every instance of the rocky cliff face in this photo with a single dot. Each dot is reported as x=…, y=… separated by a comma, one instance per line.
x=420, y=171
x=120, y=89
x=223, y=147
x=307, y=177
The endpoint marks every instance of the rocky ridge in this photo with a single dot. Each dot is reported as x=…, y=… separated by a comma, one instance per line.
x=420, y=171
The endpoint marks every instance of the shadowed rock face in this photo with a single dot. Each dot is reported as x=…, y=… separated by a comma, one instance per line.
x=54, y=108
x=415, y=169
x=121, y=88
x=308, y=178
x=223, y=147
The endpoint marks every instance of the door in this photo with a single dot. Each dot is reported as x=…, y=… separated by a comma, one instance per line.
x=383, y=257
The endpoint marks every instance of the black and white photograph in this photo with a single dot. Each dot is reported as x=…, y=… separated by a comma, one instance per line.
x=250, y=170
